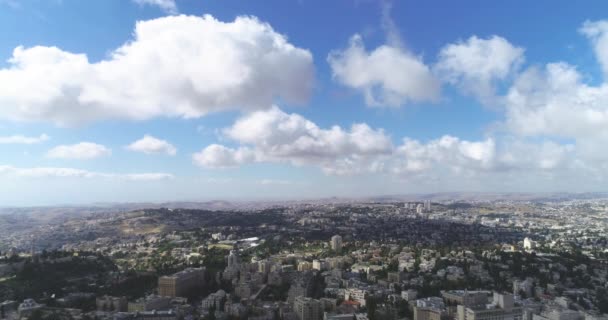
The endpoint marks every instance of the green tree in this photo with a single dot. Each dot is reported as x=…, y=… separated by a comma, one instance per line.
x=404, y=309
x=371, y=305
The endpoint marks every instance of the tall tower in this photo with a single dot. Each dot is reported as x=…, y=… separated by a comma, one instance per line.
x=307, y=308
x=33, y=248
x=233, y=260
x=336, y=243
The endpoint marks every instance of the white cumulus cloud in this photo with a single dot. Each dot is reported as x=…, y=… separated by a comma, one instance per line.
x=219, y=156
x=175, y=66
x=554, y=101
x=151, y=145
x=276, y=136
x=387, y=76
x=453, y=155
x=273, y=136
x=81, y=151
x=476, y=65
x=447, y=151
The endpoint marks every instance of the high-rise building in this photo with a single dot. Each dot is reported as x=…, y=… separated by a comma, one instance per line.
x=559, y=314
x=334, y=263
x=264, y=266
x=319, y=265
x=179, y=284
x=149, y=303
x=419, y=209
x=232, y=269
x=426, y=313
x=355, y=294
x=336, y=243
x=307, y=308
x=409, y=295
x=528, y=244
x=233, y=259
x=304, y=266
x=109, y=303
x=502, y=308
x=298, y=289
x=431, y=308
x=465, y=297
x=523, y=286
x=214, y=300
x=427, y=205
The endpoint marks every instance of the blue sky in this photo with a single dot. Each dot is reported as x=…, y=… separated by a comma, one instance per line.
x=161, y=100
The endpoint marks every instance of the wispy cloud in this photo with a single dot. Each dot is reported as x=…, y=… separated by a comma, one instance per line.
x=58, y=172
x=168, y=6
x=393, y=36
x=268, y=182
x=21, y=139
x=13, y=4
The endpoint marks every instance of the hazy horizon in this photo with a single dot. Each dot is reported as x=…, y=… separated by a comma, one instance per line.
x=158, y=100
x=454, y=196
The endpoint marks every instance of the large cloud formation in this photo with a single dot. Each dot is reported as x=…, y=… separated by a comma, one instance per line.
x=276, y=136
x=552, y=120
x=391, y=76
x=175, y=66
x=555, y=101
x=279, y=137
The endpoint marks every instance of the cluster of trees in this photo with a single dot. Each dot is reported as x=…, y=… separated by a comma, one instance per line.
x=134, y=285
x=277, y=292
x=377, y=310
x=40, y=276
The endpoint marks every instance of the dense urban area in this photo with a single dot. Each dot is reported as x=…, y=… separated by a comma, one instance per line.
x=428, y=259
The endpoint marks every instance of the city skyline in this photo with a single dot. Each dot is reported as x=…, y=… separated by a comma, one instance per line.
x=161, y=100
